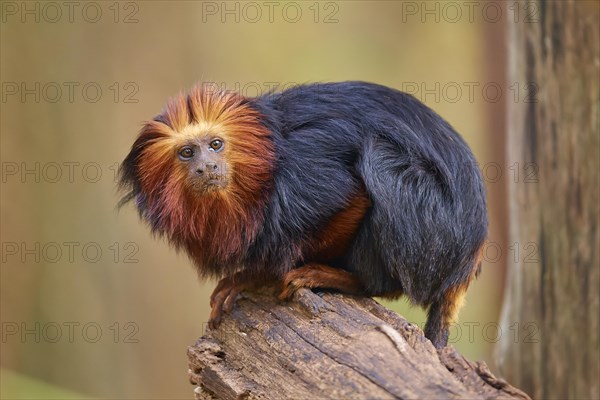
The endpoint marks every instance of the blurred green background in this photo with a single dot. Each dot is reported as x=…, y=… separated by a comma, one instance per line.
x=92, y=306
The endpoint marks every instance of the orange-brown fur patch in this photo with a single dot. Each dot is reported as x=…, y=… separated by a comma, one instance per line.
x=334, y=240
x=453, y=302
x=454, y=298
x=219, y=222
x=315, y=275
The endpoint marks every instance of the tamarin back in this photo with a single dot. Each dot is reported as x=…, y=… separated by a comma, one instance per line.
x=350, y=186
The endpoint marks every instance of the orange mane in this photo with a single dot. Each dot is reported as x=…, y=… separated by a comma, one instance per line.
x=216, y=227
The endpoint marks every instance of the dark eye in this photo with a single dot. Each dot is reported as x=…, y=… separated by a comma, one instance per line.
x=216, y=144
x=186, y=153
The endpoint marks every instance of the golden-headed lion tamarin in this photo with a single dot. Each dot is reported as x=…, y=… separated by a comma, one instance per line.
x=348, y=186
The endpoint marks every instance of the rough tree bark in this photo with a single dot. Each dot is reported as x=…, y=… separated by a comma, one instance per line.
x=552, y=298
x=330, y=347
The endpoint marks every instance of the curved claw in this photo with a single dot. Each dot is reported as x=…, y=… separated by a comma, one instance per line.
x=224, y=296
x=217, y=299
x=290, y=284
x=231, y=299
x=220, y=286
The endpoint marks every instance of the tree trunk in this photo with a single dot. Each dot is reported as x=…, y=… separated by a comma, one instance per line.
x=330, y=346
x=552, y=300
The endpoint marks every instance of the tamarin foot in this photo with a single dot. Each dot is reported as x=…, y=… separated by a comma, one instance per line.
x=222, y=300
x=316, y=275
x=226, y=293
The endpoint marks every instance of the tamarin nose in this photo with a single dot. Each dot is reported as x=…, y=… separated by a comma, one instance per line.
x=211, y=167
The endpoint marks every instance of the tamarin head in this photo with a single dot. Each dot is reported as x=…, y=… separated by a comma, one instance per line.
x=200, y=173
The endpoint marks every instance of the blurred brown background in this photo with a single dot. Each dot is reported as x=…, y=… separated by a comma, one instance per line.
x=93, y=306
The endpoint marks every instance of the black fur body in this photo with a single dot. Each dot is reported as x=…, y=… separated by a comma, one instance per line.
x=428, y=216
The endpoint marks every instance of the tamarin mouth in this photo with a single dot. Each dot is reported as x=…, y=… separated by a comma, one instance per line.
x=211, y=182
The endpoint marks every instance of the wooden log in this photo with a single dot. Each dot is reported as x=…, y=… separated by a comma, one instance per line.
x=330, y=346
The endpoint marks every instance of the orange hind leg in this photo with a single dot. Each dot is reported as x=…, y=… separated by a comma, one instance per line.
x=315, y=275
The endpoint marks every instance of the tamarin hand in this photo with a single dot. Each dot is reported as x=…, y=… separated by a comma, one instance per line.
x=349, y=186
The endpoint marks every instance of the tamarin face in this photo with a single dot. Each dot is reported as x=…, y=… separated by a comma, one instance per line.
x=203, y=156
x=200, y=172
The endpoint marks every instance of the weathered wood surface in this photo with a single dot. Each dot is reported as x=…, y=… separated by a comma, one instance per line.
x=552, y=300
x=330, y=346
